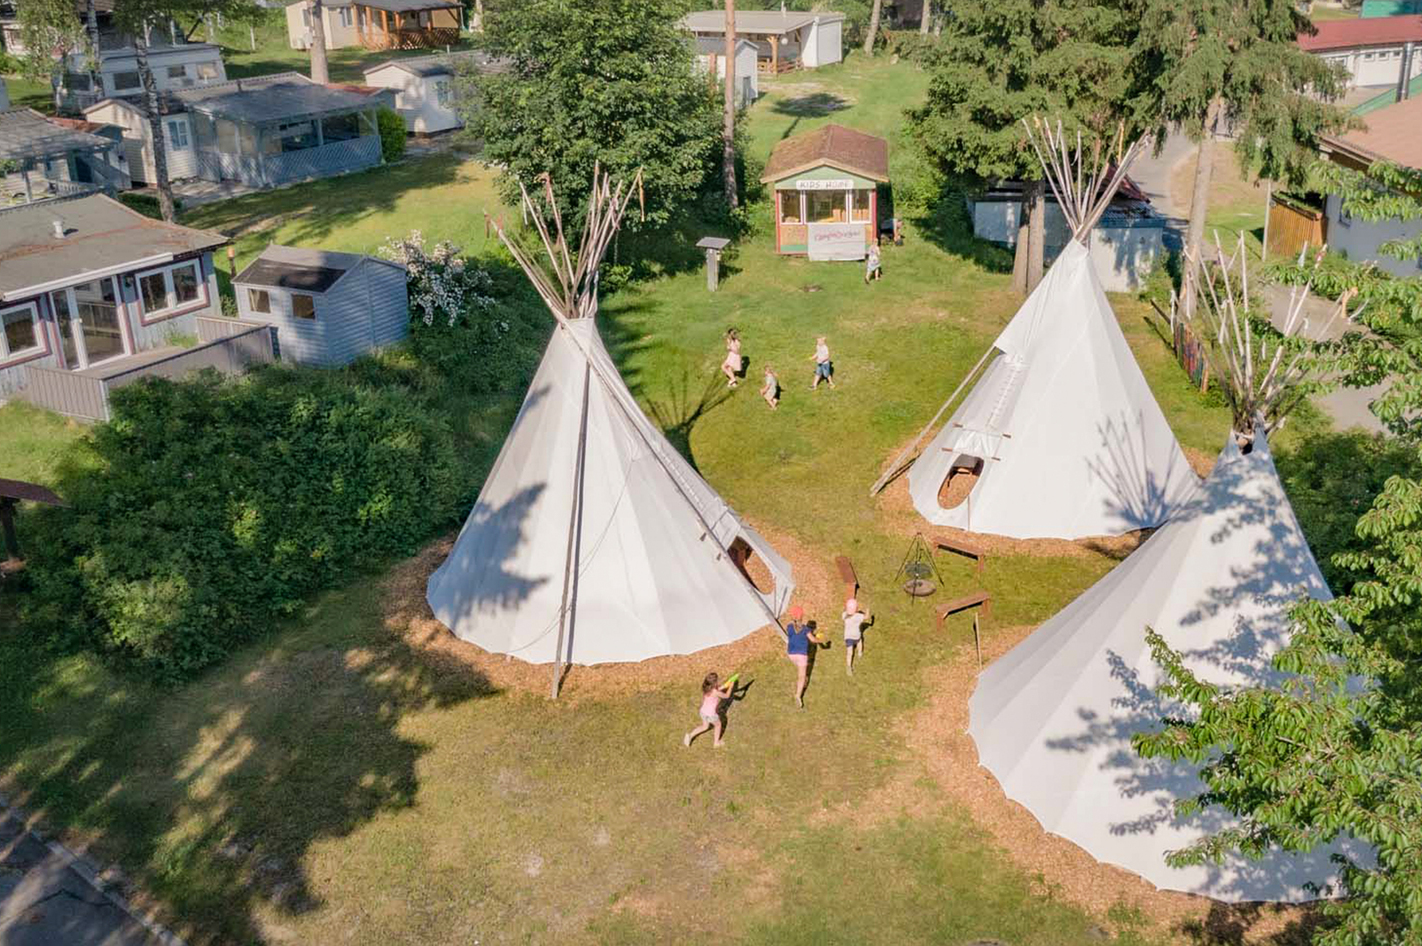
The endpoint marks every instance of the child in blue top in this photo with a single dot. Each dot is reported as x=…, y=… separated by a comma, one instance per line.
x=798, y=638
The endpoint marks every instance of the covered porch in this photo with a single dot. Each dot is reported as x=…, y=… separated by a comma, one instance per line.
x=408, y=24
x=49, y=158
x=282, y=133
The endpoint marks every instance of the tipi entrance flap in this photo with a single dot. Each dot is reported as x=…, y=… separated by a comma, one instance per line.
x=1053, y=718
x=1078, y=445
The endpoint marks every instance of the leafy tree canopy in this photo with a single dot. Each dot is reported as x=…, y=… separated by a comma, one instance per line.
x=49, y=31
x=1338, y=747
x=606, y=81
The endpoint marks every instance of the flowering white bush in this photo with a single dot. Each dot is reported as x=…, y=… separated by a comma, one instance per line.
x=442, y=286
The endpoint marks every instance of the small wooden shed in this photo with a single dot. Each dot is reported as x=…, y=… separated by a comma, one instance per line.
x=328, y=308
x=826, y=192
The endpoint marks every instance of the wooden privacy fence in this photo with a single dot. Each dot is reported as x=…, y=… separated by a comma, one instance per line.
x=1292, y=225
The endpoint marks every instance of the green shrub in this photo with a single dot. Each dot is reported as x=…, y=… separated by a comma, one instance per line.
x=219, y=504
x=146, y=204
x=392, y=134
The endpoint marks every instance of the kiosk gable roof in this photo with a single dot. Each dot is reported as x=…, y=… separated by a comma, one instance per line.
x=841, y=147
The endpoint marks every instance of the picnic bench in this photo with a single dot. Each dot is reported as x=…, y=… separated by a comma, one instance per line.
x=963, y=548
x=978, y=599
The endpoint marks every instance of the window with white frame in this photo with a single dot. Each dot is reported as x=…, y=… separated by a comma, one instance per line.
x=207, y=71
x=303, y=306
x=259, y=300
x=177, y=72
x=170, y=288
x=19, y=331
x=344, y=15
x=178, y=134
x=126, y=80
x=444, y=95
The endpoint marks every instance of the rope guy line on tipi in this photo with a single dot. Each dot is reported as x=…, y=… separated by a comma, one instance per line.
x=574, y=297
x=1083, y=194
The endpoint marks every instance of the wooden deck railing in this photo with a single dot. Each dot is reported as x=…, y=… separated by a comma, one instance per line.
x=434, y=37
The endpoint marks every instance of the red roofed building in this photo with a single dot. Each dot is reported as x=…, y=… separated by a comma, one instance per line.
x=1370, y=49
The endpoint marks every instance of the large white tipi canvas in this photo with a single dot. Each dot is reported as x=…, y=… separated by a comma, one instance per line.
x=1053, y=718
x=1068, y=438
x=652, y=574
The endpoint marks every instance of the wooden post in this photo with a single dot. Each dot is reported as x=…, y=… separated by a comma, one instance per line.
x=1268, y=212
x=977, y=639
x=232, y=261
x=385, y=25
x=774, y=55
x=7, y=522
x=713, y=266
x=575, y=535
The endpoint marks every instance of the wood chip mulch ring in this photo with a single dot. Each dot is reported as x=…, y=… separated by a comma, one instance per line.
x=896, y=506
x=937, y=736
x=407, y=614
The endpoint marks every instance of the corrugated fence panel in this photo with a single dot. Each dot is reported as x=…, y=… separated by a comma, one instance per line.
x=67, y=393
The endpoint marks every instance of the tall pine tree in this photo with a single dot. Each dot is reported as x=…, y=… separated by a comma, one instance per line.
x=1000, y=61
x=1217, y=67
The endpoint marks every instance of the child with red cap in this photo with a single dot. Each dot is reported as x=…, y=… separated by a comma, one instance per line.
x=798, y=638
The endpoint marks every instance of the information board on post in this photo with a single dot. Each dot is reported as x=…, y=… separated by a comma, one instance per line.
x=836, y=241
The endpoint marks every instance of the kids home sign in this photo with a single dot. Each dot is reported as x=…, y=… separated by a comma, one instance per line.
x=832, y=184
x=836, y=241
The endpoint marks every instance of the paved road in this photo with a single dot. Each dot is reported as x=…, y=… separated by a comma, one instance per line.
x=43, y=902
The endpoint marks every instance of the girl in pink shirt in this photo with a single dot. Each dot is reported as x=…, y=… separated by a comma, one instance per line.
x=712, y=693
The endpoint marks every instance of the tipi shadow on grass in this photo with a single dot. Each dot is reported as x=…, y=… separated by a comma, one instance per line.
x=622, y=552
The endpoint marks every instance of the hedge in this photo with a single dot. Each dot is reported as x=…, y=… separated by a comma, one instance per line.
x=219, y=504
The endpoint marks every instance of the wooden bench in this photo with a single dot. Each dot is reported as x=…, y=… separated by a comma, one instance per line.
x=963, y=548
x=976, y=599
x=847, y=575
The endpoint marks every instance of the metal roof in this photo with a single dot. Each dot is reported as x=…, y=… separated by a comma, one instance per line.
x=305, y=270
x=1390, y=134
x=834, y=145
x=99, y=234
x=717, y=44
x=1350, y=34
x=445, y=65
x=25, y=133
x=755, y=21
x=265, y=99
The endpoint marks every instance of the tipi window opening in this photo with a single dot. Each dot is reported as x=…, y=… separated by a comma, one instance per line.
x=751, y=565
x=963, y=475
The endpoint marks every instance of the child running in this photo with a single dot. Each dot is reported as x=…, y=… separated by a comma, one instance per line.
x=731, y=365
x=712, y=693
x=798, y=638
x=824, y=369
x=770, y=390
x=854, y=621
x=872, y=269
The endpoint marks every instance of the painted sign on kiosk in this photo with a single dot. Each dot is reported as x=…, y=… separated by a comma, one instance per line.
x=831, y=184
x=836, y=241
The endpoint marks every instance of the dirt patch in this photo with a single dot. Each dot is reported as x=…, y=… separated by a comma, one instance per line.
x=408, y=615
x=937, y=736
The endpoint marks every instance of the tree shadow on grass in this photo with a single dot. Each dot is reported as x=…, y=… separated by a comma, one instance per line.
x=213, y=795
x=317, y=209
x=1233, y=924
x=678, y=413
x=947, y=225
x=813, y=105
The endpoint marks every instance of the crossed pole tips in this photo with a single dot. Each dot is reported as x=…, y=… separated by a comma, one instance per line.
x=1083, y=189
x=1263, y=374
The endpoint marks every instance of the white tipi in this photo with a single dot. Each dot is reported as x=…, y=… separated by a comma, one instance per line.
x=1061, y=430
x=593, y=540
x=1053, y=718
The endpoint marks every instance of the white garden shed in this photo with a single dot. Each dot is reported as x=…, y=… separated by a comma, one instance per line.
x=328, y=308
x=424, y=86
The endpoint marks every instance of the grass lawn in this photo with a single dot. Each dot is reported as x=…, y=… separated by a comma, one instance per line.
x=1236, y=201
x=332, y=783
x=27, y=93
